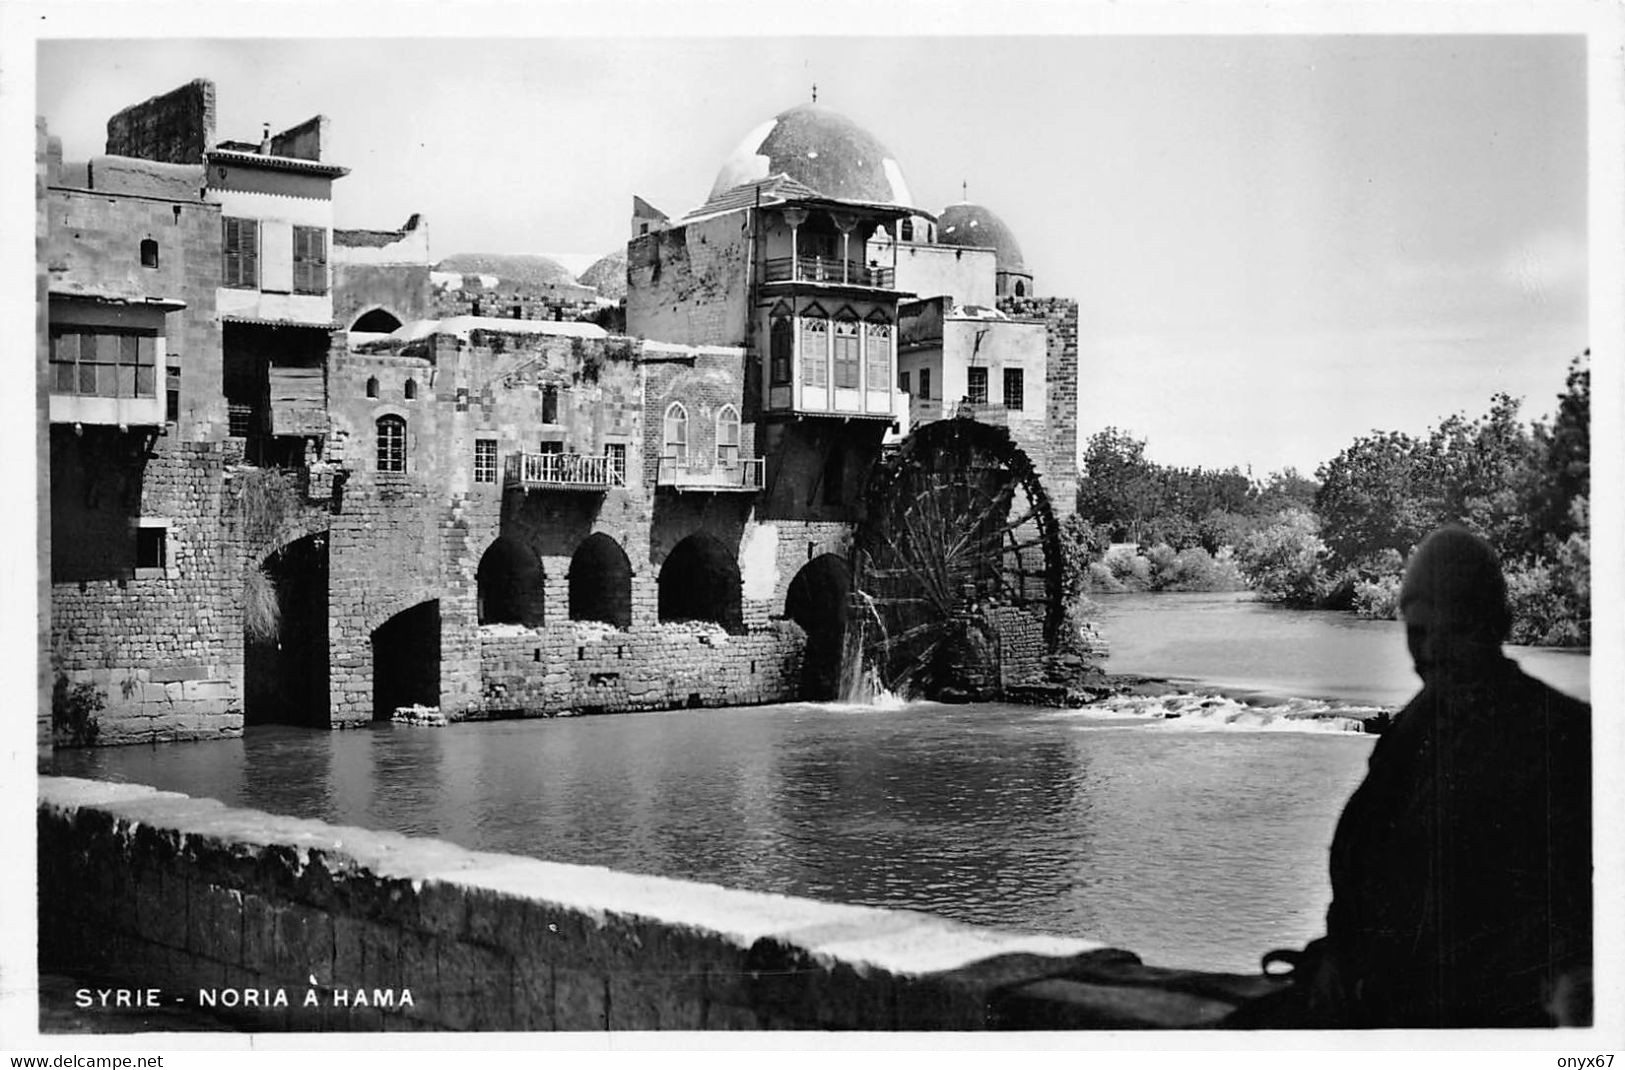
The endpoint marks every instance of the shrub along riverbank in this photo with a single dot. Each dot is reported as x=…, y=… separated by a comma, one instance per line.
x=1339, y=541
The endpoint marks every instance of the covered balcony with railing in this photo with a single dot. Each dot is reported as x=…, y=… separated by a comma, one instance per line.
x=821, y=269
x=681, y=475
x=564, y=472
x=824, y=245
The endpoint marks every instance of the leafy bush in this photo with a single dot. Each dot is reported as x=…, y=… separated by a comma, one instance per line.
x=1378, y=598
x=1551, y=599
x=1284, y=562
x=73, y=712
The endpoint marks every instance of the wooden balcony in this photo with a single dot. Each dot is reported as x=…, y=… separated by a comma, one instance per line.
x=562, y=471
x=832, y=271
x=741, y=477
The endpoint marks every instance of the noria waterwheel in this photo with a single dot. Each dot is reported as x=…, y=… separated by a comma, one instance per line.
x=958, y=530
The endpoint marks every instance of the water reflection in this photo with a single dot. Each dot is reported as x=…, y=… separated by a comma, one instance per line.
x=1192, y=849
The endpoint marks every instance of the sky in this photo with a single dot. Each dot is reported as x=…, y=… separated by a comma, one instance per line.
x=1277, y=242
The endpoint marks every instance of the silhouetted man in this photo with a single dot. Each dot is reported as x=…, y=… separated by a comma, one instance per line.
x=1461, y=867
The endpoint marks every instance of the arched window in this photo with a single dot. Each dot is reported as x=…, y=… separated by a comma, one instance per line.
x=411, y=389
x=1021, y=288
x=728, y=436
x=674, y=437
x=149, y=253
x=906, y=230
x=814, y=348
x=372, y=386
x=391, y=444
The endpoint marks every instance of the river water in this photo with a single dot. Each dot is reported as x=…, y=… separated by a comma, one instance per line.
x=1197, y=841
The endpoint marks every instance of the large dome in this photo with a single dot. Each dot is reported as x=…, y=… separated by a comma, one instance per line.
x=821, y=148
x=971, y=224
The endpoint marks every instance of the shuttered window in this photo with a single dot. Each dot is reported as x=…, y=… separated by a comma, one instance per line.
x=240, y=249
x=846, y=354
x=309, y=260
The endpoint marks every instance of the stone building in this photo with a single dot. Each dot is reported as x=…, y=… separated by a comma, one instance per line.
x=303, y=489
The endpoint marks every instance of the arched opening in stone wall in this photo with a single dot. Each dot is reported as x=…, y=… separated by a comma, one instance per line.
x=285, y=649
x=511, y=584
x=406, y=660
x=817, y=601
x=601, y=582
x=700, y=581
x=376, y=321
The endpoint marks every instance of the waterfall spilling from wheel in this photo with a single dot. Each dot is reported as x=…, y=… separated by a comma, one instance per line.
x=957, y=567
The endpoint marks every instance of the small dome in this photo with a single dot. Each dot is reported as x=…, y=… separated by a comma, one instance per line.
x=821, y=148
x=971, y=224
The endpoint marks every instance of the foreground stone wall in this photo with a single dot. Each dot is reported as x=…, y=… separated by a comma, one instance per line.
x=155, y=889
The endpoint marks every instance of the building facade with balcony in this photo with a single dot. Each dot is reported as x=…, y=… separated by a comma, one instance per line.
x=280, y=520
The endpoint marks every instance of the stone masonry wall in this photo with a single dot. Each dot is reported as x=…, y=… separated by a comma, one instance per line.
x=157, y=890
x=173, y=127
x=1021, y=645
x=1060, y=465
x=689, y=284
x=165, y=652
x=590, y=668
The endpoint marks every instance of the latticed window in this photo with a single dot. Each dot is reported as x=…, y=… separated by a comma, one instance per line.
x=814, y=351
x=309, y=260
x=674, y=437
x=781, y=347
x=846, y=354
x=240, y=253
x=391, y=444
x=976, y=386
x=485, y=460
x=615, y=461
x=1014, y=386
x=104, y=364
x=728, y=436
x=877, y=354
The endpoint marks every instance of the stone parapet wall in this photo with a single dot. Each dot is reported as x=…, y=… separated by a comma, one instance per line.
x=598, y=669
x=155, y=889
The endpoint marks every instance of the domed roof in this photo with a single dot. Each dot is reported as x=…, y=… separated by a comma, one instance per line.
x=822, y=148
x=971, y=224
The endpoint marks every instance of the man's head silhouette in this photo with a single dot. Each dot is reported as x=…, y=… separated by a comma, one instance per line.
x=1454, y=602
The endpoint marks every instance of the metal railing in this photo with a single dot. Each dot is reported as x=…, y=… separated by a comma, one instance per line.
x=566, y=471
x=742, y=475
x=828, y=269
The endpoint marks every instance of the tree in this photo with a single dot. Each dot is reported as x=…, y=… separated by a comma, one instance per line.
x=1118, y=485
x=1564, y=461
x=1373, y=497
